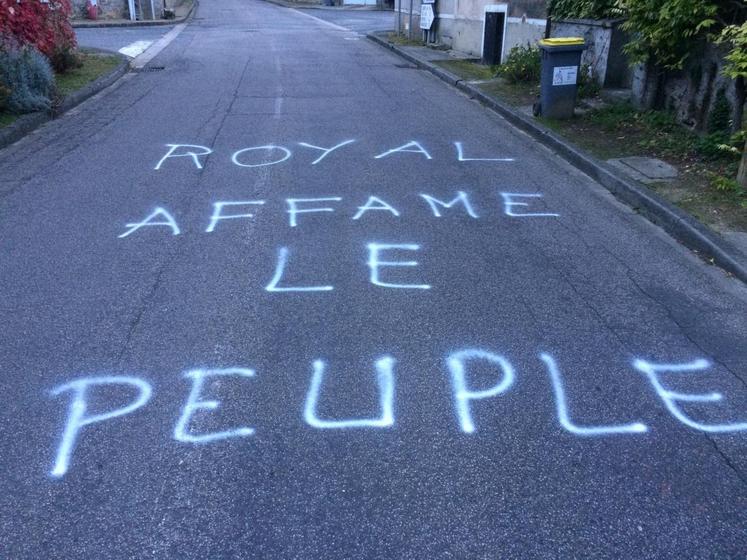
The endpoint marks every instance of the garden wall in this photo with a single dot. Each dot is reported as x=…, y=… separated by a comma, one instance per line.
x=107, y=9
x=604, y=42
x=691, y=94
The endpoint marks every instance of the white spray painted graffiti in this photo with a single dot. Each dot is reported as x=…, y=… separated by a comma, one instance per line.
x=294, y=210
x=194, y=404
x=233, y=210
x=385, y=381
x=671, y=398
x=432, y=205
x=150, y=221
x=195, y=156
x=77, y=419
x=462, y=395
x=388, y=267
x=275, y=154
x=286, y=154
x=375, y=203
x=510, y=203
x=280, y=268
x=218, y=212
x=561, y=403
x=411, y=147
x=462, y=197
x=325, y=151
x=375, y=264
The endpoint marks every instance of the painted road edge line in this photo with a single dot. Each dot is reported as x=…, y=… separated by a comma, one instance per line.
x=28, y=123
x=320, y=20
x=155, y=49
x=135, y=49
x=679, y=225
x=327, y=23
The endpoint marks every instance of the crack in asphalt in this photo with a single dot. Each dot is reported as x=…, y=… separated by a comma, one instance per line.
x=727, y=461
x=60, y=136
x=167, y=263
x=683, y=330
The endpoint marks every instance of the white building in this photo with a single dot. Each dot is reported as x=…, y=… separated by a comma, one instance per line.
x=461, y=24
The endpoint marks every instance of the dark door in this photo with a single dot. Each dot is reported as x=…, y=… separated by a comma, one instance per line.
x=493, y=41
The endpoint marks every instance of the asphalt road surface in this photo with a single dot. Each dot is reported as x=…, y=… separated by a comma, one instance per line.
x=437, y=340
x=362, y=21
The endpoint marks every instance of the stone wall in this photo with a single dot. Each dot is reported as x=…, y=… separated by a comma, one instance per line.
x=690, y=93
x=107, y=9
x=604, y=42
x=119, y=9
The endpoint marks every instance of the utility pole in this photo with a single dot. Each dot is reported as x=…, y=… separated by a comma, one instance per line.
x=409, y=25
x=398, y=5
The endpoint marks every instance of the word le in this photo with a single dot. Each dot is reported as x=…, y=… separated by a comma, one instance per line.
x=463, y=396
x=375, y=264
x=272, y=154
x=514, y=206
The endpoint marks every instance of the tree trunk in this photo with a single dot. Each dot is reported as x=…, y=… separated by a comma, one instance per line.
x=645, y=85
x=740, y=90
x=742, y=173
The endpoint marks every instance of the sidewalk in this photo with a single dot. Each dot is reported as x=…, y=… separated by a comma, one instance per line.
x=730, y=254
x=182, y=12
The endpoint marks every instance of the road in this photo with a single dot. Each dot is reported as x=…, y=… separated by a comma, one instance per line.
x=131, y=41
x=362, y=21
x=223, y=338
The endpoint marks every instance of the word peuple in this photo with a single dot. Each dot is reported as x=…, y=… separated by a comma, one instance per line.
x=273, y=154
x=463, y=395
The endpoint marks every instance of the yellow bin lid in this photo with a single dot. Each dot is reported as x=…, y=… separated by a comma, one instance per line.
x=562, y=41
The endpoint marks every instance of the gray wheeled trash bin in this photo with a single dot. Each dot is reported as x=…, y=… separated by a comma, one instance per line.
x=561, y=61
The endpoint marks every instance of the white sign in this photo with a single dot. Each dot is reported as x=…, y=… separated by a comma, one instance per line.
x=426, y=16
x=564, y=75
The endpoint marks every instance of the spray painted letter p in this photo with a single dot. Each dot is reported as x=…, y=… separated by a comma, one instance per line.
x=77, y=418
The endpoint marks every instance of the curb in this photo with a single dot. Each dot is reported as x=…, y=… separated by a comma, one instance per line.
x=681, y=226
x=27, y=123
x=142, y=23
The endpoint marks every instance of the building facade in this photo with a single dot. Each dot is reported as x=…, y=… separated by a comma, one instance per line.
x=461, y=24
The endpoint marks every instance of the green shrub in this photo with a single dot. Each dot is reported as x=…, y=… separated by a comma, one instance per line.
x=4, y=95
x=587, y=85
x=28, y=76
x=726, y=185
x=735, y=36
x=585, y=9
x=668, y=31
x=64, y=59
x=721, y=145
x=522, y=65
x=719, y=119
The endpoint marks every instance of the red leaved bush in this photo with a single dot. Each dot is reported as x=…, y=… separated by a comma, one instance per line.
x=46, y=26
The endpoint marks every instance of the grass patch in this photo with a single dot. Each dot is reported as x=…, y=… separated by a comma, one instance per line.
x=93, y=66
x=518, y=94
x=704, y=187
x=402, y=40
x=7, y=118
x=468, y=69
